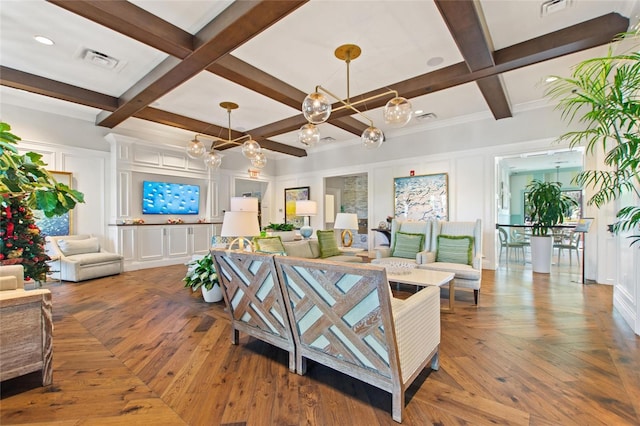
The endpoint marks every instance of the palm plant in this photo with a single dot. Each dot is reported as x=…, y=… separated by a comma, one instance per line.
x=603, y=95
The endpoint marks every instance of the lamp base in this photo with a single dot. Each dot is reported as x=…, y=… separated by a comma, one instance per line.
x=347, y=238
x=306, y=232
x=241, y=241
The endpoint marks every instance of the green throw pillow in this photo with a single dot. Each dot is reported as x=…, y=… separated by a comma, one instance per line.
x=407, y=245
x=455, y=249
x=327, y=243
x=269, y=244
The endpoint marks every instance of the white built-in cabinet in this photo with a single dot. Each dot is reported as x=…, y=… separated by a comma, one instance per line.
x=149, y=246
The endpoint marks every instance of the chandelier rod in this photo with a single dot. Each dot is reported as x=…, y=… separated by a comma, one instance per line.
x=352, y=106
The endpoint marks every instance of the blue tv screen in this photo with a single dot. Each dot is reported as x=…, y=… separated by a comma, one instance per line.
x=170, y=198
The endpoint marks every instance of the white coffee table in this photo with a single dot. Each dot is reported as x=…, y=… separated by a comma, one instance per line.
x=425, y=277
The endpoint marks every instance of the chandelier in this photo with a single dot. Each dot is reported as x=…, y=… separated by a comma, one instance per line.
x=316, y=107
x=212, y=158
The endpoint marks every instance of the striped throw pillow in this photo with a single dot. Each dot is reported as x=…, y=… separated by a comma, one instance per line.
x=269, y=244
x=327, y=243
x=455, y=249
x=407, y=245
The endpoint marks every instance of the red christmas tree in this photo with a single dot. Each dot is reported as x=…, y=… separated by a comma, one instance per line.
x=20, y=239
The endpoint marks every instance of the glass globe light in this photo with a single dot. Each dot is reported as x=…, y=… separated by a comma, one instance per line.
x=316, y=108
x=196, y=149
x=259, y=161
x=309, y=135
x=397, y=112
x=250, y=148
x=372, y=137
x=212, y=159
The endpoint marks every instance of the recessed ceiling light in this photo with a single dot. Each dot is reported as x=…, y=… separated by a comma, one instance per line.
x=44, y=40
x=550, y=79
x=417, y=112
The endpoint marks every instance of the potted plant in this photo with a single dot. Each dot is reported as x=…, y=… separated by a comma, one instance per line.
x=202, y=274
x=601, y=94
x=548, y=208
x=285, y=231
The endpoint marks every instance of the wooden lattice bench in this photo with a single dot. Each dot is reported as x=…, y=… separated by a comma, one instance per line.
x=338, y=314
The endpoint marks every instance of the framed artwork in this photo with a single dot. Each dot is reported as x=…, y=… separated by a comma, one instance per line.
x=420, y=198
x=56, y=225
x=291, y=195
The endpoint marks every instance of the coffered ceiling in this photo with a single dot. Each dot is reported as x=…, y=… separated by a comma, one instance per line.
x=158, y=66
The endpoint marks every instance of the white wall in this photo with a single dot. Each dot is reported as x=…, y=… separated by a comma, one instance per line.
x=466, y=151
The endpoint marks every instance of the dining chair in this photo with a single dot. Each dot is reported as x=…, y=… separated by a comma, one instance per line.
x=507, y=244
x=572, y=243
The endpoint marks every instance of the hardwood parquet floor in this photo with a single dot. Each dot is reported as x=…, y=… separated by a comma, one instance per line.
x=139, y=348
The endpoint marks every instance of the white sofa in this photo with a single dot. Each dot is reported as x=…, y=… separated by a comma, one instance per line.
x=80, y=257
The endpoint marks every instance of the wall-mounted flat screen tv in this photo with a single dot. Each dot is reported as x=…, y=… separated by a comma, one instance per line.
x=170, y=198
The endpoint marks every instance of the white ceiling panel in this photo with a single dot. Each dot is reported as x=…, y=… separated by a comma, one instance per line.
x=399, y=41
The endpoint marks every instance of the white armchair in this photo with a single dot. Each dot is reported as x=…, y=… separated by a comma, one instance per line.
x=457, y=247
x=80, y=257
x=404, y=242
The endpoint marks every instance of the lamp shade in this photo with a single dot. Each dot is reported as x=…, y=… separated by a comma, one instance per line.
x=240, y=224
x=346, y=221
x=306, y=208
x=244, y=204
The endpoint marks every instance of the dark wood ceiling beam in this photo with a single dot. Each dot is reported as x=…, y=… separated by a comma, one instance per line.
x=233, y=27
x=197, y=126
x=244, y=74
x=493, y=92
x=134, y=22
x=43, y=86
x=588, y=34
x=468, y=28
x=55, y=89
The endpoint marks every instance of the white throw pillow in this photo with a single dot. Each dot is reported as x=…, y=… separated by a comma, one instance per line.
x=71, y=247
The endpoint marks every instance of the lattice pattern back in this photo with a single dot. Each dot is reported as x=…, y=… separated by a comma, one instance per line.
x=338, y=313
x=252, y=291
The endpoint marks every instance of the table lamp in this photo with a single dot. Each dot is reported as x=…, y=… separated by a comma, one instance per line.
x=240, y=224
x=244, y=204
x=306, y=208
x=346, y=222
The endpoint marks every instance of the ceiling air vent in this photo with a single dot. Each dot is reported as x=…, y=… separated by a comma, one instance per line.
x=100, y=59
x=552, y=6
x=426, y=116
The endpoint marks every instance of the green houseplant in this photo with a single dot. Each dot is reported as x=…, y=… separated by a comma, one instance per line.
x=285, y=231
x=26, y=185
x=281, y=227
x=548, y=207
x=602, y=95
x=202, y=274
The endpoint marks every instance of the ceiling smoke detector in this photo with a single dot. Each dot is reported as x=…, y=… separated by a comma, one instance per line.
x=100, y=59
x=552, y=6
x=327, y=139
